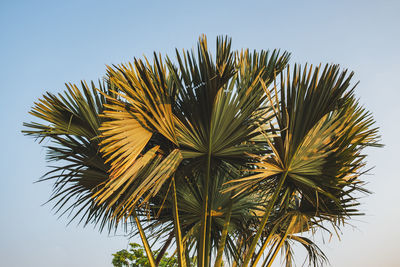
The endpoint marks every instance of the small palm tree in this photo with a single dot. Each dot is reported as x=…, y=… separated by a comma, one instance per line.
x=234, y=156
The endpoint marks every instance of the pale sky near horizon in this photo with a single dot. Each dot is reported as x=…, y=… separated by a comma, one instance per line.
x=44, y=44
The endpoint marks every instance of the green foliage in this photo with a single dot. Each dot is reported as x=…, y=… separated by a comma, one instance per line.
x=234, y=155
x=136, y=257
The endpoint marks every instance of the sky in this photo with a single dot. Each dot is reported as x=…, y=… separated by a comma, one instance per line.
x=44, y=44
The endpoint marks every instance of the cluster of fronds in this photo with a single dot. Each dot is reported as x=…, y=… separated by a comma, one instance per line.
x=232, y=157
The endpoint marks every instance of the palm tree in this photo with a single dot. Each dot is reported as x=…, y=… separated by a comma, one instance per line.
x=210, y=153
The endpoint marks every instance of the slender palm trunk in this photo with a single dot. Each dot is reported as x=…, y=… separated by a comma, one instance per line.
x=204, y=234
x=264, y=221
x=144, y=240
x=164, y=248
x=264, y=264
x=265, y=244
x=221, y=246
x=239, y=245
x=178, y=234
x=282, y=241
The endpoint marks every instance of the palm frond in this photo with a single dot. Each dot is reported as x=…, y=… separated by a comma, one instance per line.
x=70, y=122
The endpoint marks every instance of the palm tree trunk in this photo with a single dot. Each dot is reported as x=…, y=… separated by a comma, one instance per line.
x=264, y=264
x=204, y=235
x=239, y=245
x=144, y=240
x=221, y=246
x=164, y=248
x=276, y=251
x=177, y=228
x=264, y=221
x=260, y=253
x=281, y=242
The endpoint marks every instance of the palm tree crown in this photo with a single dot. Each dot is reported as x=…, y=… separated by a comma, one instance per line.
x=231, y=157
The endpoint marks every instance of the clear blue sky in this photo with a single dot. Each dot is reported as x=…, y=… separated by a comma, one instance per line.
x=46, y=43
